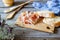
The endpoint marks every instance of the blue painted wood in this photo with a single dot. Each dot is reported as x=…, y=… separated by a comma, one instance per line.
x=17, y=2
x=25, y=31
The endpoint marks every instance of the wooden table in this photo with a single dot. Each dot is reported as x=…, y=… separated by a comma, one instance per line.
x=25, y=32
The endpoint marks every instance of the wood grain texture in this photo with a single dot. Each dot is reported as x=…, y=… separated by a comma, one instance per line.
x=28, y=32
x=24, y=32
x=17, y=2
x=38, y=26
x=32, y=38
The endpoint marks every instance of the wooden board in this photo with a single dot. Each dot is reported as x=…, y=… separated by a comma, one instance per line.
x=39, y=26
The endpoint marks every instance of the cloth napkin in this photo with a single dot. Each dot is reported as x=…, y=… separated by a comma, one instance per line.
x=52, y=5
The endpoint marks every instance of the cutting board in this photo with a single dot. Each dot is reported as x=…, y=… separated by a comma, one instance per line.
x=39, y=26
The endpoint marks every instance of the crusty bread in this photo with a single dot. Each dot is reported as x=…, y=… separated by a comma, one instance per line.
x=52, y=21
x=39, y=26
x=46, y=14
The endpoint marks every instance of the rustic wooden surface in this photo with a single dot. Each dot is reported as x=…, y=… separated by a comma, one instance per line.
x=25, y=32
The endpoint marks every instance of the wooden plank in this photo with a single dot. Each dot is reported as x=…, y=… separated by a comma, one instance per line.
x=30, y=5
x=32, y=33
x=35, y=38
x=17, y=2
x=28, y=32
x=24, y=31
x=24, y=9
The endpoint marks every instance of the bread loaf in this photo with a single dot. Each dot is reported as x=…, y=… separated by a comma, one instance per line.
x=52, y=21
x=46, y=14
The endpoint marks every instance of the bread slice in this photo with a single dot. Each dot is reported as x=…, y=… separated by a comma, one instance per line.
x=39, y=26
x=46, y=14
x=52, y=21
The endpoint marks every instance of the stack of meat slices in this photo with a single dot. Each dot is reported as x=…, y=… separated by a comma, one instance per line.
x=28, y=17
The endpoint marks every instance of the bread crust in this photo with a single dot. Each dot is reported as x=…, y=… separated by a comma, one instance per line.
x=52, y=21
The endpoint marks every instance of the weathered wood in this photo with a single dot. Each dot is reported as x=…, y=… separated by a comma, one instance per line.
x=24, y=9
x=35, y=38
x=17, y=2
x=24, y=31
x=33, y=33
x=29, y=32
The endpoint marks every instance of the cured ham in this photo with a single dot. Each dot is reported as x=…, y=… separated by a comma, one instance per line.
x=29, y=17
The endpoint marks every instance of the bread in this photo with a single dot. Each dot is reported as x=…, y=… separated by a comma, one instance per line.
x=46, y=14
x=52, y=21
